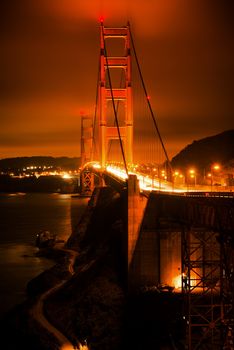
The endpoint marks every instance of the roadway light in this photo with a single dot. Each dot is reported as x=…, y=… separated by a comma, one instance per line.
x=216, y=167
x=192, y=173
x=66, y=176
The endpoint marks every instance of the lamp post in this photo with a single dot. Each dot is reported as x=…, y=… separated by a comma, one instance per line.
x=214, y=168
x=176, y=174
x=159, y=177
x=153, y=171
x=211, y=180
x=192, y=173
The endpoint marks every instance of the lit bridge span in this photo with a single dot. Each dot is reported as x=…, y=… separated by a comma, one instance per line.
x=179, y=236
x=123, y=136
x=148, y=181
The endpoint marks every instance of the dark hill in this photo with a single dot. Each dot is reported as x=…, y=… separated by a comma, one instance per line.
x=202, y=153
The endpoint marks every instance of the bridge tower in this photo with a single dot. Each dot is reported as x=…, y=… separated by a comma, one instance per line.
x=87, y=177
x=86, y=139
x=108, y=93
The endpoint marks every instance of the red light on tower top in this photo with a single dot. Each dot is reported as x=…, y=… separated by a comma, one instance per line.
x=101, y=19
x=148, y=97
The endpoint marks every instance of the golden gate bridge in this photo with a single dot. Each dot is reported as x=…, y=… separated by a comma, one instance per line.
x=123, y=137
x=184, y=242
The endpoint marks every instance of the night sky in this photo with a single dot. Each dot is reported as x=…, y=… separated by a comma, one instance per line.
x=49, y=59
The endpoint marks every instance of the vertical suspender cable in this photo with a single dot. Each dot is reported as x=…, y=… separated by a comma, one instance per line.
x=148, y=101
x=94, y=148
x=113, y=102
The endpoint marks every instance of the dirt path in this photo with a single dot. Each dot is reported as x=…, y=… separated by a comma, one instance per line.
x=38, y=309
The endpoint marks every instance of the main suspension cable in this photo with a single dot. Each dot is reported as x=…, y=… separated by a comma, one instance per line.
x=147, y=98
x=113, y=102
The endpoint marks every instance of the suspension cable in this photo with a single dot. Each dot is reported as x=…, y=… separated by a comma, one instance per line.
x=147, y=98
x=113, y=102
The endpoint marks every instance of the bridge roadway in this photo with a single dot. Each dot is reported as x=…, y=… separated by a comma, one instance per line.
x=116, y=177
x=152, y=211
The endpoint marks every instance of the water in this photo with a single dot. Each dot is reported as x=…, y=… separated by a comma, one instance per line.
x=22, y=216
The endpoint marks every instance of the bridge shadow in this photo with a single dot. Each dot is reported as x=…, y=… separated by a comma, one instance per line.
x=154, y=321
x=77, y=208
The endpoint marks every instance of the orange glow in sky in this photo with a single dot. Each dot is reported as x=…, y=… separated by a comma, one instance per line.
x=49, y=63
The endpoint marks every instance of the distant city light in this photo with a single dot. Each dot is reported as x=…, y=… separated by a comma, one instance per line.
x=96, y=166
x=66, y=176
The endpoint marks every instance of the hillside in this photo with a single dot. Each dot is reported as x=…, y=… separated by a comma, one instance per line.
x=204, y=152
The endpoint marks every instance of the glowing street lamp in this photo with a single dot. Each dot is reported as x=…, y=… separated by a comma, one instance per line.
x=153, y=173
x=192, y=173
x=214, y=168
x=177, y=177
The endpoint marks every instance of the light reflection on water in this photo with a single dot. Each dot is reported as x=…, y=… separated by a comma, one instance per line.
x=22, y=216
x=17, y=253
x=18, y=265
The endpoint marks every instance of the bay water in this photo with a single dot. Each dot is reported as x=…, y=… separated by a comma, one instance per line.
x=22, y=216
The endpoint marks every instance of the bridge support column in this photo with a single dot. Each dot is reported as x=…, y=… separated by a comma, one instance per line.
x=87, y=182
x=136, y=208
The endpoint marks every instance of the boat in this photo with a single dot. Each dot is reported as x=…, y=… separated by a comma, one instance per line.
x=45, y=239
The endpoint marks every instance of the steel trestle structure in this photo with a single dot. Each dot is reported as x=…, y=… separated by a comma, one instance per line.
x=201, y=278
x=207, y=286
x=87, y=177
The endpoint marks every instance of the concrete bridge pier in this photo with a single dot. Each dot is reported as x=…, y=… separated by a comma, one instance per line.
x=87, y=182
x=136, y=208
x=154, y=248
